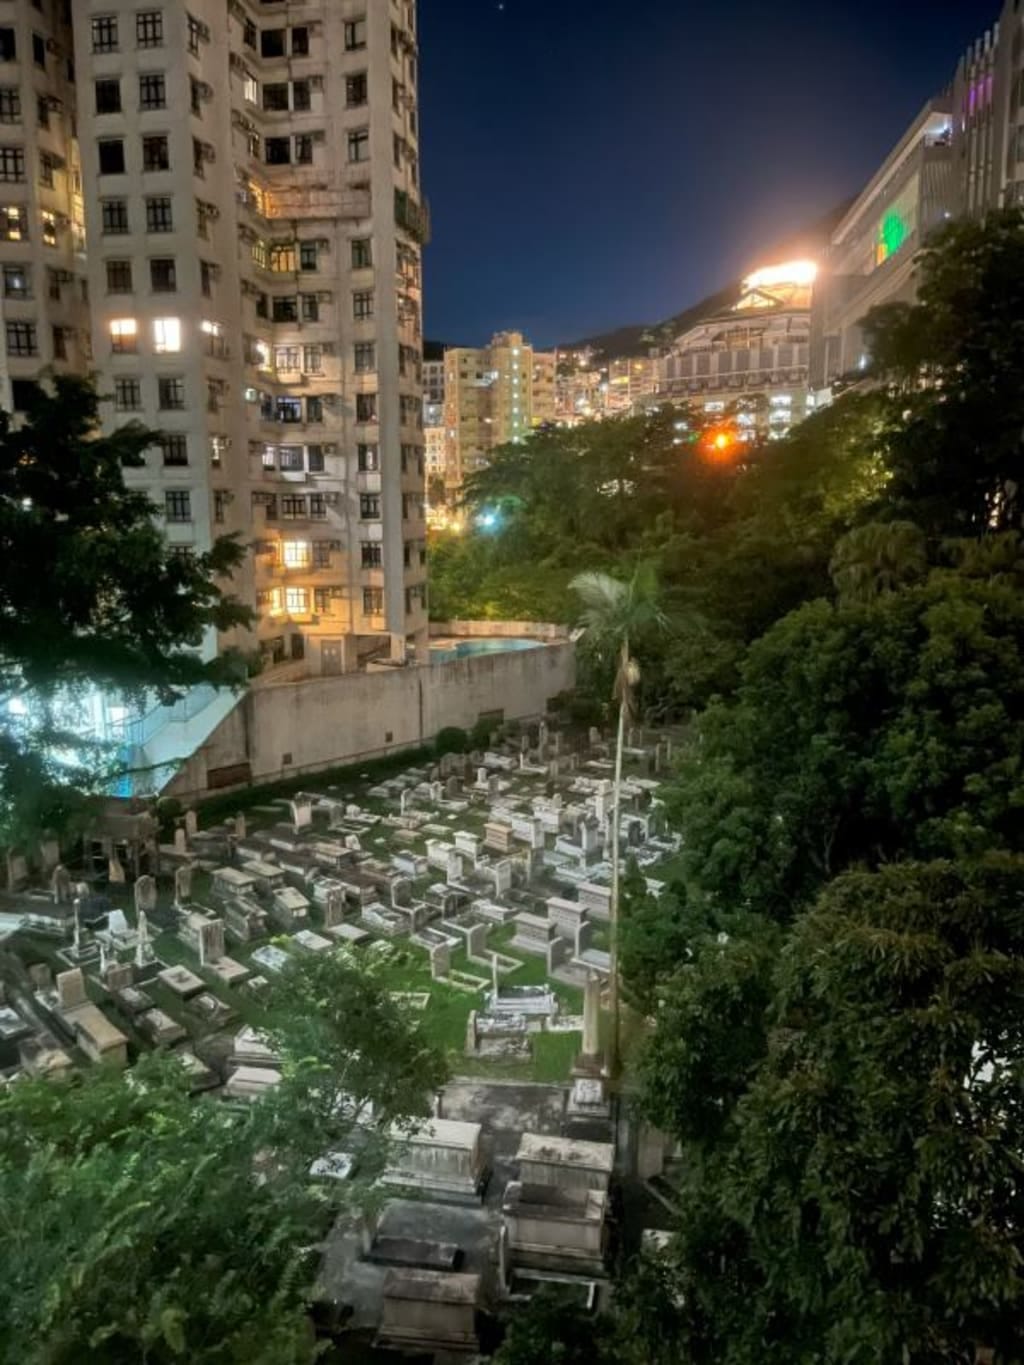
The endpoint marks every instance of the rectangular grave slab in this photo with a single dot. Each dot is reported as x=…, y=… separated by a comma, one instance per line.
x=271, y=958
x=348, y=933
x=159, y=1028
x=181, y=981
x=227, y=971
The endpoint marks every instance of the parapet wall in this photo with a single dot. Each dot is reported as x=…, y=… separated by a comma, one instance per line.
x=498, y=630
x=287, y=729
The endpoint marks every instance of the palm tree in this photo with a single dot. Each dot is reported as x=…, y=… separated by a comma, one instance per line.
x=613, y=614
x=878, y=558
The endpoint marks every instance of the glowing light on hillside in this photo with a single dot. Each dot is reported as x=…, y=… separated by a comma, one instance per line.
x=793, y=272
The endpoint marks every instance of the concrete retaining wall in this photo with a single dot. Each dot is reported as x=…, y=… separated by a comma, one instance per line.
x=495, y=630
x=284, y=730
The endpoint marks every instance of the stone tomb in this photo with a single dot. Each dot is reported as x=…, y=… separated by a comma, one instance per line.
x=181, y=981
x=429, y=1311
x=595, y=900
x=443, y=1160
x=533, y=934
x=565, y=1162
x=552, y=1228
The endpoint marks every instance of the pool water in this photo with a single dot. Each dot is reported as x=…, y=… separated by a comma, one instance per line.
x=466, y=649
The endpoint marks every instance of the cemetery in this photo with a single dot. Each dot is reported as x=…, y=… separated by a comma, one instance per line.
x=481, y=882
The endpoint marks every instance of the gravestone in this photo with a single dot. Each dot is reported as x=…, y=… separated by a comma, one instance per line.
x=211, y=941
x=17, y=871
x=60, y=885
x=301, y=813
x=440, y=961
x=183, y=884
x=145, y=894
x=41, y=977
x=453, y=788
x=454, y=869
x=115, y=872
x=49, y=854
x=476, y=940
x=180, y=840
x=502, y=873
x=71, y=989
x=191, y=824
x=240, y=826
x=118, y=976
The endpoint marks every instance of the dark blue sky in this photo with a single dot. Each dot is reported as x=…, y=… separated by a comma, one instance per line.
x=592, y=163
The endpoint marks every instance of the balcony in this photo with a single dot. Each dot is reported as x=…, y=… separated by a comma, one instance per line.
x=412, y=216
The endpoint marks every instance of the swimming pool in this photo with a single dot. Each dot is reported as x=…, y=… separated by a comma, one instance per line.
x=467, y=649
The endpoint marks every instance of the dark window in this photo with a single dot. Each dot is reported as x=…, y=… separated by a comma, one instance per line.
x=317, y=507
x=362, y=253
x=152, y=91
x=272, y=42
x=289, y=457
x=156, y=155
x=10, y=104
x=301, y=98
x=8, y=45
x=206, y=274
x=105, y=34
x=111, y=155
x=21, y=338
x=300, y=42
x=373, y=601
x=159, y=216
x=310, y=308
x=355, y=35
x=362, y=304
x=149, y=28
x=39, y=50
x=178, y=505
x=303, y=149
x=275, y=97
x=366, y=407
x=289, y=409
x=293, y=508
x=359, y=144
x=249, y=34
x=43, y=112
x=119, y=277
x=47, y=166
x=321, y=554
x=171, y=395
x=284, y=309
x=308, y=256
x=108, y=97
x=357, y=90
x=127, y=395
x=372, y=554
x=277, y=151
x=369, y=506
x=12, y=164
x=366, y=357
x=163, y=275
x=315, y=459
x=369, y=459
x=196, y=97
x=114, y=215
x=23, y=394
x=321, y=601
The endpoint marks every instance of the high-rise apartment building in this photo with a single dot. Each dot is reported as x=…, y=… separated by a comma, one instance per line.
x=493, y=395
x=254, y=223
x=42, y=229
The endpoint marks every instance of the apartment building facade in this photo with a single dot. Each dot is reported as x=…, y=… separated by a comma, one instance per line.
x=254, y=225
x=44, y=299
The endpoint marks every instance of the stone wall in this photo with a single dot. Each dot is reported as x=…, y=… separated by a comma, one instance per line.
x=285, y=730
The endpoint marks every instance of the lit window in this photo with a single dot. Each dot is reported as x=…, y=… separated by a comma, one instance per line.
x=295, y=554
x=166, y=335
x=123, y=335
x=296, y=600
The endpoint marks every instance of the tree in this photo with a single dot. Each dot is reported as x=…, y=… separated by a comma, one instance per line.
x=141, y=1224
x=878, y=557
x=865, y=1204
x=613, y=614
x=114, y=608
x=952, y=438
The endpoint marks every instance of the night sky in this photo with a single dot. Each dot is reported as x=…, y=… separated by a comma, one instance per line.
x=592, y=163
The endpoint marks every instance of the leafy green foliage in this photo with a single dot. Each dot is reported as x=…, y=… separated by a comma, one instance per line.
x=142, y=1224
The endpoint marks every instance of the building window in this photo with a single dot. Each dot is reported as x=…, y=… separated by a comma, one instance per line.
x=48, y=220
x=314, y=409
x=286, y=358
x=293, y=508
x=369, y=506
x=312, y=359
x=302, y=100
x=12, y=164
x=39, y=51
x=372, y=556
x=114, y=216
x=13, y=223
x=366, y=357
x=288, y=410
x=127, y=395
x=366, y=407
x=359, y=144
x=309, y=258
x=362, y=253
x=373, y=601
x=8, y=45
x=369, y=459
x=277, y=151
x=108, y=97
x=315, y=459
x=221, y=498
x=296, y=601
x=174, y=449
x=282, y=259
x=152, y=91
x=362, y=304
x=21, y=338
x=195, y=99
x=159, y=217
x=42, y=111
x=178, y=505
x=321, y=554
x=289, y=457
x=10, y=104
x=310, y=308
x=295, y=554
x=166, y=335
x=17, y=282
x=156, y=155
x=283, y=308
x=163, y=275
x=303, y=149
x=300, y=41
x=104, y=34
x=111, y=156
x=124, y=336
x=317, y=507
x=355, y=35
x=322, y=601
x=119, y=277
x=149, y=28
x=275, y=97
x=272, y=42
x=357, y=90
x=206, y=275
x=197, y=33
x=170, y=394
x=47, y=166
